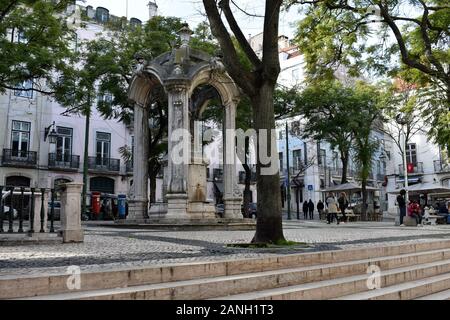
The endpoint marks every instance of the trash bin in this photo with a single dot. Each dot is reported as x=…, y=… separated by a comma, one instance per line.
x=121, y=205
x=96, y=204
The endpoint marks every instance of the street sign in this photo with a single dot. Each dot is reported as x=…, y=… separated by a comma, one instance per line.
x=310, y=187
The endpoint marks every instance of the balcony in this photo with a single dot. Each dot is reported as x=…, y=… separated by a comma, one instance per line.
x=16, y=158
x=418, y=169
x=104, y=165
x=63, y=162
x=441, y=166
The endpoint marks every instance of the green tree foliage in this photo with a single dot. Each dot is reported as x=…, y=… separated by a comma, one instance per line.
x=407, y=39
x=34, y=43
x=326, y=109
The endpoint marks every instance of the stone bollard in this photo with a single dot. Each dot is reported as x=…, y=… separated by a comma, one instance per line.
x=71, y=213
x=37, y=211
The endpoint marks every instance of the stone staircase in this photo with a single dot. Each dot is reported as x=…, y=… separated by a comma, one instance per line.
x=408, y=271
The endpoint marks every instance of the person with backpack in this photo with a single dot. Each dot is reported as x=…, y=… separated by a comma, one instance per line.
x=311, y=209
x=343, y=205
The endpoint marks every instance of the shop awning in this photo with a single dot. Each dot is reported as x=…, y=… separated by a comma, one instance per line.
x=350, y=186
x=424, y=188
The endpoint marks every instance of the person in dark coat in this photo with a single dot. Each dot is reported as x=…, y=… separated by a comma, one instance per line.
x=311, y=209
x=305, y=210
x=320, y=207
x=401, y=202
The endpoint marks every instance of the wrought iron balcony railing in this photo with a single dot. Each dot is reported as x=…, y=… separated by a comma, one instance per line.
x=104, y=164
x=63, y=161
x=417, y=168
x=441, y=166
x=19, y=158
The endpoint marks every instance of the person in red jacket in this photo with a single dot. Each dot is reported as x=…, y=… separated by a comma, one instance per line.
x=414, y=211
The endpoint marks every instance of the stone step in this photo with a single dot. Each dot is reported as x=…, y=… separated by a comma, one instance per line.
x=18, y=286
x=352, y=285
x=442, y=295
x=427, y=287
x=228, y=285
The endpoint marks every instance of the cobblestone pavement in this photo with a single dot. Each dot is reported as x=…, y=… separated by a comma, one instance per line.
x=107, y=247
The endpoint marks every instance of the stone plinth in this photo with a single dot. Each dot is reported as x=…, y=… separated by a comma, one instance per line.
x=158, y=210
x=177, y=205
x=71, y=213
x=137, y=209
x=201, y=210
x=232, y=208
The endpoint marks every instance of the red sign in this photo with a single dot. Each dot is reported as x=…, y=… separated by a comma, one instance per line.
x=410, y=167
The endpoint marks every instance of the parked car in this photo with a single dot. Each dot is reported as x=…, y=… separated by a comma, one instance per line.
x=57, y=210
x=220, y=209
x=253, y=210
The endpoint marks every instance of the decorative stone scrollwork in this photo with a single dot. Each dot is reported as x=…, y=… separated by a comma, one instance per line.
x=237, y=192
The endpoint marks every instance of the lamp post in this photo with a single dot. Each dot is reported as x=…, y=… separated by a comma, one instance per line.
x=51, y=135
x=288, y=184
x=153, y=9
x=402, y=120
x=185, y=35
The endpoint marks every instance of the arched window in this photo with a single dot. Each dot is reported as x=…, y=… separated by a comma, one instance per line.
x=18, y=181
x=102, y=184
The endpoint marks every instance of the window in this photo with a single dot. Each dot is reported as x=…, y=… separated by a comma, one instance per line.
x=21, y=37
x=280, y=156
x=378, y=167
x=103, y=146
x=280, y=135
x=297, y=157
x=105, y=97
x=322, y=157
x=64, y=144
x=20, y=139
x=411, y=153
x=25, y=89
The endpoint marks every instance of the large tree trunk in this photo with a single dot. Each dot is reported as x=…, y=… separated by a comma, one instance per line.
x=269, y=221
x=247, y=191
x=248, y=179
x=364, y=199
x=344, y=160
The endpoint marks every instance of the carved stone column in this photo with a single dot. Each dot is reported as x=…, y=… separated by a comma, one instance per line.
x=179, y=149
x=232, y=194
x=138, y=204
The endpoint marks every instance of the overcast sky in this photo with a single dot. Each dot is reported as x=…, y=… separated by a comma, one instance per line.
x=190, y=10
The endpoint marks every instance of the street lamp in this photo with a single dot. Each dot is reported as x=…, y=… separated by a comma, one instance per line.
x=185, y=35
x=402, y=120
x=51, y=135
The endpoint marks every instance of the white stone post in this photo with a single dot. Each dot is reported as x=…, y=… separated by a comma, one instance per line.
x=138, y=204
x=232, y=195
x=179, y=149
x=71, y=213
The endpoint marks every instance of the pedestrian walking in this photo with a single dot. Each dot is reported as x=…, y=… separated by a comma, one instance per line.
x=401, y=202
x=332, y=208
x=311, y=209
x=305, y=210
x=343, y=205
x=320, y=207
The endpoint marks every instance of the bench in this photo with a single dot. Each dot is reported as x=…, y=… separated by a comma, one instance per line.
x=432, y=219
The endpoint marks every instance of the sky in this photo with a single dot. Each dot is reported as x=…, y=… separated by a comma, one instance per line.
x=191, y=12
